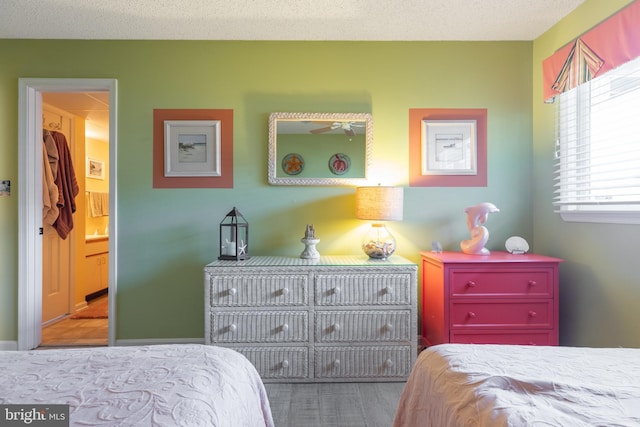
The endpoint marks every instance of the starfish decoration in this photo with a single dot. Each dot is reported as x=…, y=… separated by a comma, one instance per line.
x=293, y=165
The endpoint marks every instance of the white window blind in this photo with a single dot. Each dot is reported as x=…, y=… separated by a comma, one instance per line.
x=597, y=170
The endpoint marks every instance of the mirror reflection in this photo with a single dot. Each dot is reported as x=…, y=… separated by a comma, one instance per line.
x=319, y=148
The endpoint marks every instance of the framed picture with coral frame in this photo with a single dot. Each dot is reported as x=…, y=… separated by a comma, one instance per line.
x=447, y=147
x=207, y=137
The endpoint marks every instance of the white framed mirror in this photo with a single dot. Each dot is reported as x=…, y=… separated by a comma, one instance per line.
x=319, y=148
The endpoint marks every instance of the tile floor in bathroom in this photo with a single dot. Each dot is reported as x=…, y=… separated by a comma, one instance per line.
x=76, y=332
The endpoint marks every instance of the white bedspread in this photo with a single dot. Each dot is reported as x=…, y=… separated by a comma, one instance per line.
x=163, y=385
x=501, y=385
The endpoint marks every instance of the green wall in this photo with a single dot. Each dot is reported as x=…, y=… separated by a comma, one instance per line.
x=166, y=236
x=600, y=286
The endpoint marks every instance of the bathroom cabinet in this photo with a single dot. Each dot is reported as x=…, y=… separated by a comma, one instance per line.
x=96, y=266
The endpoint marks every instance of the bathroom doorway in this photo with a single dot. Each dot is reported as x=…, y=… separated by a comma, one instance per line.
x=30, y=278
x=75, y=270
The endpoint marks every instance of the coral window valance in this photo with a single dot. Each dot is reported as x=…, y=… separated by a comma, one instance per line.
x=603, y=48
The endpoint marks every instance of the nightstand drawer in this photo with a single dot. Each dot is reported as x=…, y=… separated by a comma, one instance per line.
x=363, y=362
x=351, y=326
x=259, y=326
x=363, y=289
x=511, y=314
x=523, y=337
x=259, y=290
x=278, y=362
x=536, y=283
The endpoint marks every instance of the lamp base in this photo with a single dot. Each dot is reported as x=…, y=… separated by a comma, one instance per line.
x=378, y=243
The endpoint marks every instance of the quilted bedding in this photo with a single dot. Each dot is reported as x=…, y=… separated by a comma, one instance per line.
x=161, y=385
x=504, y=385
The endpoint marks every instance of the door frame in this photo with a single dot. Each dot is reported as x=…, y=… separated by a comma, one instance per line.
x=30, y=200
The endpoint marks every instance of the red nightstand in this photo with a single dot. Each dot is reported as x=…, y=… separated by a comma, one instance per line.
x=489, y=299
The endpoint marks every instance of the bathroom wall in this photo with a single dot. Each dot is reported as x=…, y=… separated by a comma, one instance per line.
x=96, y=150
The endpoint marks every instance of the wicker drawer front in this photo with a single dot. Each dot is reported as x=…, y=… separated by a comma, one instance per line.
x=536, y=283
x=269, y=290
x=503, y=314
x=278, y=362
x=259, y=326
x=362, y=362
x=363, y=289
x=350, y=326
x=297, y=320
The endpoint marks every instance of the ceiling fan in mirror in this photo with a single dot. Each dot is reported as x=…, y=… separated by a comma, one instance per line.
x=347, y=127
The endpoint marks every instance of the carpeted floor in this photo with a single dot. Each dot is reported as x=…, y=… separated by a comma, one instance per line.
x=98, y=309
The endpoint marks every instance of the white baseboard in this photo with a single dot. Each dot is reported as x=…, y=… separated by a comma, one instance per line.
x=160, y=341
x=9, y=345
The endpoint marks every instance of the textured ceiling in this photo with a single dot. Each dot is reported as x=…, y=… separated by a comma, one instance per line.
x=268, y=20
x=281, y=19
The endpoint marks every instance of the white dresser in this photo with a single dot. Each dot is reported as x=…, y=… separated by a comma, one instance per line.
x=338, y=318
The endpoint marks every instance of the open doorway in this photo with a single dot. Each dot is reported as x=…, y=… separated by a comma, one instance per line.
x=31, y=230
x=75, y=268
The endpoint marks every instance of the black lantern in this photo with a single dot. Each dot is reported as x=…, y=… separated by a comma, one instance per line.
x=234, y=237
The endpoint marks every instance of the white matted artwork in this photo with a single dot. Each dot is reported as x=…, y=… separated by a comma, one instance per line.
x=449, y=147
x=95, y=168
x=192, y=148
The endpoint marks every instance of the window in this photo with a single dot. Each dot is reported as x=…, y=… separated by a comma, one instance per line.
x=597, y=171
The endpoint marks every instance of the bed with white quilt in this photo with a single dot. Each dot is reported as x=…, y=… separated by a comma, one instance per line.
x=160, y=385
x=506, y=385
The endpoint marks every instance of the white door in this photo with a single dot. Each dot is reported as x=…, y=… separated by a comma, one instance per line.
x=56, y=275
x=57, y=271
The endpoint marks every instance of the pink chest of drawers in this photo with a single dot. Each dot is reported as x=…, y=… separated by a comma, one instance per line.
x=495, y=299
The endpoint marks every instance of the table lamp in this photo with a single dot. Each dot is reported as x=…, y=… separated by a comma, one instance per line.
x=379, y=203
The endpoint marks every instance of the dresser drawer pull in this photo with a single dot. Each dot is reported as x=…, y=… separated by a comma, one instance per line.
x=335, y=327
x=284, y=328
x=232, y=291
x=471, y=284
x=388, y=363
x=284, y=291
x=388, y=327
x=471, y=315
x=532, y=313
x=336, y=363
x=336, y=290
x=388, y=290
x=285, y=363
x=532, y=283
x=232, y=327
